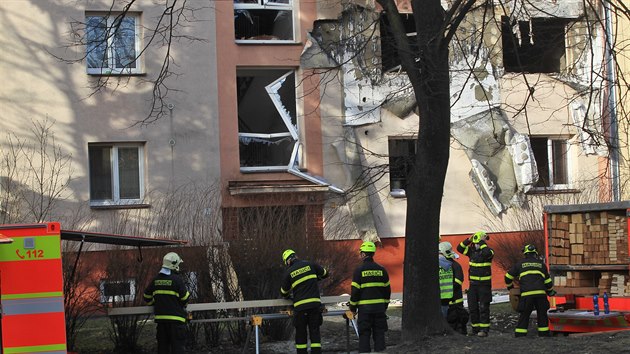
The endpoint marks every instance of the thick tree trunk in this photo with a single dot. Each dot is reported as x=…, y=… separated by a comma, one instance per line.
x=421, y=313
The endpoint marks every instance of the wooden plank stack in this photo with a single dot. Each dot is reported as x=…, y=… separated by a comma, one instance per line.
x=590, y=238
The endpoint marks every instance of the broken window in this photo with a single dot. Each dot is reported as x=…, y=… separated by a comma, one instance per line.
x=261, y=20
x=402, y=154
x=389, y=50
x=534, y=46
x=267, y=124
x=551, y=156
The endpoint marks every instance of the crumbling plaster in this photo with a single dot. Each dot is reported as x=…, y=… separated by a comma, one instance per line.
x=492, y=115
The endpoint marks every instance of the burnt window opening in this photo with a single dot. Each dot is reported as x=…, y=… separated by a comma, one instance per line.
x=389, y=50
x=267, y=123
x=263, y=20
x=535, y=46
x=551, y=155
x=117, y=291
x=402, y=155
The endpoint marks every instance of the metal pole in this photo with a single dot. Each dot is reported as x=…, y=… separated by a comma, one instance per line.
x=257, y=346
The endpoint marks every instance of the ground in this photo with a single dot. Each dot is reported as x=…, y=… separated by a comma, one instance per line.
x=334, y=340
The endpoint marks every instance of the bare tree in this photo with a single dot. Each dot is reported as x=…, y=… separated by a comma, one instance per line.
x=35, y=175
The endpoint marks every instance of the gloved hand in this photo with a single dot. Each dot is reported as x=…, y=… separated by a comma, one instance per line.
x=551, y=292
x=353, y=308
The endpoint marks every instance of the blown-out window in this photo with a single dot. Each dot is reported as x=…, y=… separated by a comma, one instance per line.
x=402, y=154
x=264, y=20
x=267, y=125
x=116, y=291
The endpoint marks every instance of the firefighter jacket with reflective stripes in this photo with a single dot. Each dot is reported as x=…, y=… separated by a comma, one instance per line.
x=301, y=279
x=446, y=279
x=458, y=277
x=479, y=261
x=168, y=295
x=370, y=287
x=532, y=275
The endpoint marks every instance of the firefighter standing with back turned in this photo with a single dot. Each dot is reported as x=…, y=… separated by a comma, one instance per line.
x=168, y=295
x=370, y=296
x=480, y=278
x=301, y=279
x=535, y=285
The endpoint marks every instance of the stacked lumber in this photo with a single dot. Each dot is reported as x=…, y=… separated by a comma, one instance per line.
x=589, y=238
x=582, y=240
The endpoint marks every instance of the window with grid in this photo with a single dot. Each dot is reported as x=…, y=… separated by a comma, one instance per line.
x=116, y=174
x=112, y=43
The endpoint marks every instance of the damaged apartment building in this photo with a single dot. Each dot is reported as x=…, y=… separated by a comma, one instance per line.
x=527, y=122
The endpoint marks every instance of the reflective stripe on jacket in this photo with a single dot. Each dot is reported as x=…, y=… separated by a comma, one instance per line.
x=532, y=276
x=301, y=279
x=479, y=261
x=168, y=295
x=370, y=287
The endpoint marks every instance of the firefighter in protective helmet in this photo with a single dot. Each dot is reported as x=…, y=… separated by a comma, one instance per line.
x=480, y=278
x=370, y=296
x=535, y=284
x=168, y=295
x=301, y=280
x=456, y=315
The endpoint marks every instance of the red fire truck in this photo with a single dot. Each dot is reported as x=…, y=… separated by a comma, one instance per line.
x=587, y=248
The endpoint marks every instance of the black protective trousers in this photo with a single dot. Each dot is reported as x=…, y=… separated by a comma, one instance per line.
x=171, y=337
x=311, y=320
x=479, y=298
x=526, y=305
x=372, y=326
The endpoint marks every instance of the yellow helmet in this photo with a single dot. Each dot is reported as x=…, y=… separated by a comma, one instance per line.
x=530, y=249
x=287, y=254
x=368, y=247
x=479, y=236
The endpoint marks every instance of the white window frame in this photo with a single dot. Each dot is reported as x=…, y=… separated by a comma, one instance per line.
x=111, y=69
x=270, y=5
x=550, y=163
x=116, y=200
x=118, y=298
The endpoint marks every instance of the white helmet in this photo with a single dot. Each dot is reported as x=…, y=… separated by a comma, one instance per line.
x=447, y=250
x=172, y=261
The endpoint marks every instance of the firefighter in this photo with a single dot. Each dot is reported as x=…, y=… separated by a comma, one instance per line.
x=446, y=279
x=480, y=278
x=168, y=295
x=456, y=316
x=535, y=284
x=370, y=297
x=300, y=282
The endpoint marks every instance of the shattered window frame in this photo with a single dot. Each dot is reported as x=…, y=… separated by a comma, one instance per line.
x=254, y=17
x=109, y=178
x=535, y=46
x=401, y=160
x=272, y=138
x=104, y=54
x=390, y=61
x=556, y=158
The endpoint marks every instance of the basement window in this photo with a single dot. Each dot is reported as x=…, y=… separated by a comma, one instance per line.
x=264, y=20
x=389, y=50
x=402, y=155
x=267, y=123
x=535, y=46
x=552, y=161
x=118, y=291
